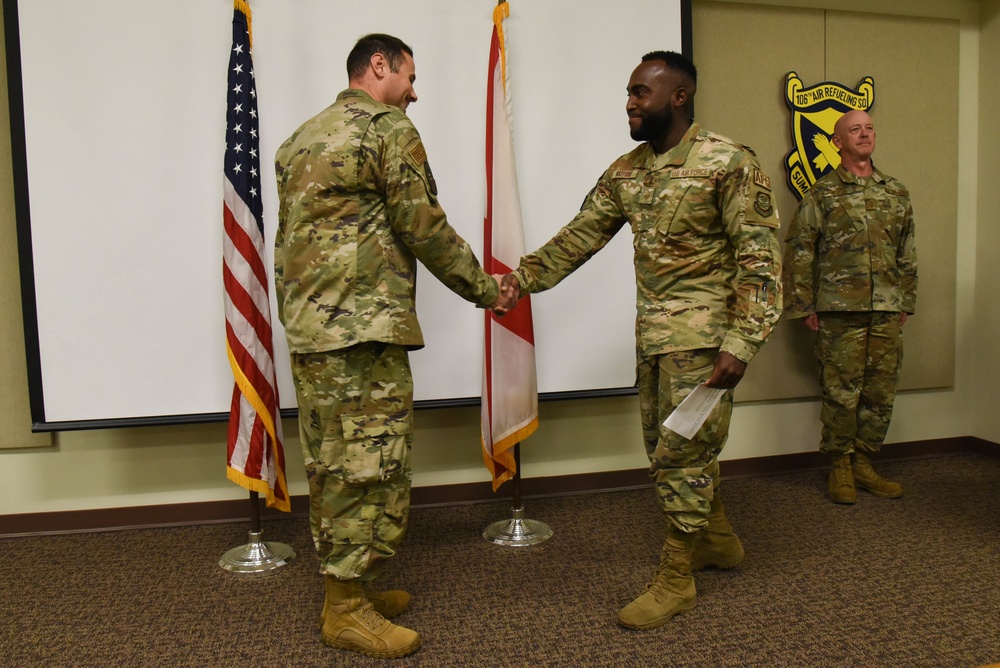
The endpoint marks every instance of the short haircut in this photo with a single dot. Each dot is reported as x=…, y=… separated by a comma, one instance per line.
x=360, y=57
x=674, y=61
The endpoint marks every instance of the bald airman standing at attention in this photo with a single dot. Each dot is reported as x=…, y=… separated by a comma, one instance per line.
x=850, y=274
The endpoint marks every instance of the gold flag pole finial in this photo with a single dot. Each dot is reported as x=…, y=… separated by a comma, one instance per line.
x=244, y=7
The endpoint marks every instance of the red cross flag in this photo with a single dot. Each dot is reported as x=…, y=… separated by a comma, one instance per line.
x=510, y=391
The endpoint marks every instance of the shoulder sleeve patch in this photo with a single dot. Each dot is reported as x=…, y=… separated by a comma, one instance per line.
x=415, y=156
x=763, y=205
x=761, y=179
x=417, y=152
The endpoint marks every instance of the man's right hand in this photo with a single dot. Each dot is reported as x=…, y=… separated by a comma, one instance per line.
x=510, y=293
x=811, y=322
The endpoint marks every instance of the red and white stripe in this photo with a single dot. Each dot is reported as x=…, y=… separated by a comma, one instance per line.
x=255, y=453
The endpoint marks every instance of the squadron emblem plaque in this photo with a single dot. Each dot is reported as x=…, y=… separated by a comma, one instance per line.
x=815, y=111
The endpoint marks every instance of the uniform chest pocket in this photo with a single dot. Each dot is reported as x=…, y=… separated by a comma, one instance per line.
x=692, y=209
x=637, y=199
x=845, y=217
x=667, y=211
x=884, y=213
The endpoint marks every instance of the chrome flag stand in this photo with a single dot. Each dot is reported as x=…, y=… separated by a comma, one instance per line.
x=517, y=531
x=256, y=558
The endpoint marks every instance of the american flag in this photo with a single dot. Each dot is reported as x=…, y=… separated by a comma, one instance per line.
x=510, y=391
x=256, y=459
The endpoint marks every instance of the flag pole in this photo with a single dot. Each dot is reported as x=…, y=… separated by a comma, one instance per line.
x=510, y=415
x=518, y=531
x=256, y=557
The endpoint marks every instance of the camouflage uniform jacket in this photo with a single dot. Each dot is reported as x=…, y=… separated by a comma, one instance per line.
x=357, y=206
x=850, y=247
x=707, y=259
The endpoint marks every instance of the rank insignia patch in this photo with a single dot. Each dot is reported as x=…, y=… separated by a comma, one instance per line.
x=815, y=111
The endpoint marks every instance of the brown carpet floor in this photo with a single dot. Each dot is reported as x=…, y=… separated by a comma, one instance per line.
x=904, y=583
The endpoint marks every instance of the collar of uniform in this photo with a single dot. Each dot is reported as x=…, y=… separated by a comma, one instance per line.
x=365, y=96
x=354, y=92
x=350, y=93
x=849, y=177
x=675, y=156
x=877, y=175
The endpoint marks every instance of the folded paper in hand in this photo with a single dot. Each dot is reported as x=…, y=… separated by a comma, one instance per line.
x=687, y=418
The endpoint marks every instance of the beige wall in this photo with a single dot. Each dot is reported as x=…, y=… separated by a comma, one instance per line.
x=110, y=468
x=985, y=355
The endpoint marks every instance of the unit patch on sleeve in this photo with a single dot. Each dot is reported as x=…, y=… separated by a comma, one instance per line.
x=430, y=179
x=762, y=204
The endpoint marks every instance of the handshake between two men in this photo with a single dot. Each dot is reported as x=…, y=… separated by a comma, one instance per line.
x=510, y=293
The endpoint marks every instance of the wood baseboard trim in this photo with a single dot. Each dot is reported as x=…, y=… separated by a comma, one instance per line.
x=209, y=512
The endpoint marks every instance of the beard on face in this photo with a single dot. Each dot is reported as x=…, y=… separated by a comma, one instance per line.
x=653, y=125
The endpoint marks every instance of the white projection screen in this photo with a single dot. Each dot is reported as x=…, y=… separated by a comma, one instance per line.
x=123, y=132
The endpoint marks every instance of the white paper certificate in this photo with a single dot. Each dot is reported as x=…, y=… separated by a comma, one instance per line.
x=687, y=418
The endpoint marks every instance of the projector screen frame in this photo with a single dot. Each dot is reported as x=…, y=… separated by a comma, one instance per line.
x=29, y=303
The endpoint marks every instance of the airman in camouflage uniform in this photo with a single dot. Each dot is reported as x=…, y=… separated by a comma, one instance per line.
x=707, y=264
x=357, y=208
x=851, y=273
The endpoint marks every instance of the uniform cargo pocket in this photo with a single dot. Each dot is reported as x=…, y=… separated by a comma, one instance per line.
x=349, y=532
x=376, y=445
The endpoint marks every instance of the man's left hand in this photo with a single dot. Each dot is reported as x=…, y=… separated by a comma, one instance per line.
x=728, y=371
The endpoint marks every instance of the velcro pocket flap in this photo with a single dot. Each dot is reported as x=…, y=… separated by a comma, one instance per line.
x=373, y=425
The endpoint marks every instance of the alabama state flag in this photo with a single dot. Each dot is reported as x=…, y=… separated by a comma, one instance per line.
x=510, y=390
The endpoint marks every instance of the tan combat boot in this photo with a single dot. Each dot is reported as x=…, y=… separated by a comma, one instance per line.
x=716, y=545
x=866, y=478
x=353, y=624
x=389, y=604
x=672, y=589
x=841, y=485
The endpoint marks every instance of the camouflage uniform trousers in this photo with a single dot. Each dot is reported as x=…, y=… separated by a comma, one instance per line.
x=355, y=426
x=686, y=471
x=859, y=356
